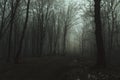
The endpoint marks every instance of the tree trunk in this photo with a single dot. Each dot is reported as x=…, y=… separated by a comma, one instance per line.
x=23, y=34
x=13, y=14
x=64, y=40
x=10, y=32
x=99, y=38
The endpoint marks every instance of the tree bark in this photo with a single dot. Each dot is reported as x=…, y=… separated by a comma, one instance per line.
x=13, y=14
x=98, y=34
x=23, y=34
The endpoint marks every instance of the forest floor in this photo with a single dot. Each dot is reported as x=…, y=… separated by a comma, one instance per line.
x=57, y=68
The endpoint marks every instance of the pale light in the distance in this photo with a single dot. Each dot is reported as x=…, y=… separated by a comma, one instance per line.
x=79, y=1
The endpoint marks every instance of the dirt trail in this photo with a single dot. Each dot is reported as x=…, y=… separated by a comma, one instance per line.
x=41, y=69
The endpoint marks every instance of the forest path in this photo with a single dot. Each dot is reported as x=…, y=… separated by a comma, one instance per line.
x=48, y=68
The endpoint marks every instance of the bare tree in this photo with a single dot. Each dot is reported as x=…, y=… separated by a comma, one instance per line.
x=98, y=33
x=3, y=17
x=14, y=6
x=70, y=20
x=23, y=33
x=109, y=14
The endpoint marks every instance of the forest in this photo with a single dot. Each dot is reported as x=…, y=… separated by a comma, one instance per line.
x=60, y=39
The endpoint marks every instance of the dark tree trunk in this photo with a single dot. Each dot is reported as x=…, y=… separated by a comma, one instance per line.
x=10, y=32
x=23, y=34
x=99, y=38
x=64, y=40
x=82, y=45
x=13, y=14
x=42, y=34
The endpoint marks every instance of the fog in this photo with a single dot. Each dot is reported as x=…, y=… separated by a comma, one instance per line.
x=59, y=39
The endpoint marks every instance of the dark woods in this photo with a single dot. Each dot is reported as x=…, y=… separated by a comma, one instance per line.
x=36, y=28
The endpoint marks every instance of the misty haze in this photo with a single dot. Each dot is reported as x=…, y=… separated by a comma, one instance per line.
x=59, y=39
